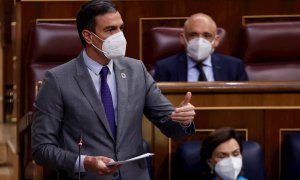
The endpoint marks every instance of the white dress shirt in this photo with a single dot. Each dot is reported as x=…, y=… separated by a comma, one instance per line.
x=193, y=72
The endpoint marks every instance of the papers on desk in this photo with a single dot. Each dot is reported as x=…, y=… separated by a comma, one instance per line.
x=129, y=160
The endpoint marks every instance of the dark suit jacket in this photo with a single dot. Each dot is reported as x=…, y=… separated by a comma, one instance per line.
x=225, y=68
x=68, y=106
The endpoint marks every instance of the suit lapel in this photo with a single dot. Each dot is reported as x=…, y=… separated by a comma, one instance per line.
x=182, y=68
x=87, y=87
x=122, y=93
x=217, y=68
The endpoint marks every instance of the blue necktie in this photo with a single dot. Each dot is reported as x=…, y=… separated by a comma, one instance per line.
x=107, y=100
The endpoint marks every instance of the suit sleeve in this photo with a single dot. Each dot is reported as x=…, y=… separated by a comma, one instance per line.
x=46, y=128
x=158, y=110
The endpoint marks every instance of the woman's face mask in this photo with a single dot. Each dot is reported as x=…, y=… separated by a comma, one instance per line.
x=114, y=46
x=229, y=168
x=199, y=48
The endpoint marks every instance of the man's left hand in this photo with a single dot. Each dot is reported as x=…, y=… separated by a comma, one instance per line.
x=185, y=113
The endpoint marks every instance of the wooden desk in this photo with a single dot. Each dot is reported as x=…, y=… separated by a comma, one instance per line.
x=263, y=111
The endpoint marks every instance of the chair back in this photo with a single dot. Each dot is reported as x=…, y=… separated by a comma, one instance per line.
x=49, y=45
x=187, y=159
x=271, y=51
x=290, y=161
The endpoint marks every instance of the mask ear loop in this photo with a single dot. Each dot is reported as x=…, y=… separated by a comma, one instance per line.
x=212, y=47
x=97, y=36
x=211, y=168
x=185, y=40
x=104, y=52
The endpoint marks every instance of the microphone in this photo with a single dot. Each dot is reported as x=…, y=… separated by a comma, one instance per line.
x=80, y=143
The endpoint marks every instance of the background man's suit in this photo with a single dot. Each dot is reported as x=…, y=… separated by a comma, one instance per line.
x=225, y=68
x=69, y=105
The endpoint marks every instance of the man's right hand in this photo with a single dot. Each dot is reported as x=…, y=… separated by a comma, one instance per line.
x=98, y=164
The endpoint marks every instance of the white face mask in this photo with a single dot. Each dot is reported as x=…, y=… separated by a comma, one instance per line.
x=199, y=48
x=229, y=168
x=114, y=46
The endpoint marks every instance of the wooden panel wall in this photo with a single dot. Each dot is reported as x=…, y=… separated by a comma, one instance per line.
x=6, y=61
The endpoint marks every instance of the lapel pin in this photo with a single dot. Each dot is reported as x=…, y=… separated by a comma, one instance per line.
x=123, y=75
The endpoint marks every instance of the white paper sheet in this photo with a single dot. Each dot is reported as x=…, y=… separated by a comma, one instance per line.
x=131, y=159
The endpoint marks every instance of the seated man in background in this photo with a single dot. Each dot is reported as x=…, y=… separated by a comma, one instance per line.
x=221, y=155
x=200, y=63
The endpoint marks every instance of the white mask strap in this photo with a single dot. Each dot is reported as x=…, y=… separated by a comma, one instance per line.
x=99, y=49
x=95, y=45
x=97, y=36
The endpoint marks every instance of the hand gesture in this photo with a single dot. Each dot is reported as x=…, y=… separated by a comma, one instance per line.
x=185, y=113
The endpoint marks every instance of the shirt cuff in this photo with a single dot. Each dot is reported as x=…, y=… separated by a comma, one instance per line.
x=188, y=128
x=81, y=164
x=185, y=126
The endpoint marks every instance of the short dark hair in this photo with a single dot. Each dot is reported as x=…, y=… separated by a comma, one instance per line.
x=211, y=142
x=87, y=13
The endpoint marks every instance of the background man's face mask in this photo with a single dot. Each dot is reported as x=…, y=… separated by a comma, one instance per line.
x=114, y=46
x=229, y=168
x=199, y=48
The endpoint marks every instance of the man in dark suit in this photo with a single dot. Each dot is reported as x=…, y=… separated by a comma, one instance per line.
x=200, y=63
x=101, y=95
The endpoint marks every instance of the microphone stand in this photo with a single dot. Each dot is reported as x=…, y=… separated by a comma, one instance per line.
x=79, y=154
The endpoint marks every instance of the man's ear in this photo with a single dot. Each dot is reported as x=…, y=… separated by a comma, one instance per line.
x=87, y=36
x=216, y=41
x=183, y=40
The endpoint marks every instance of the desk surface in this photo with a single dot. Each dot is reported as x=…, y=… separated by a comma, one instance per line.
x=230, y=87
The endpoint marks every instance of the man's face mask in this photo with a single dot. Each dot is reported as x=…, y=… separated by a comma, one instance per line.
x=229, y=168
x=114, y=46
x=199, y=48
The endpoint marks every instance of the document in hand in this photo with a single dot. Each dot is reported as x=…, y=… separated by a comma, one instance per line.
x=129, y=160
